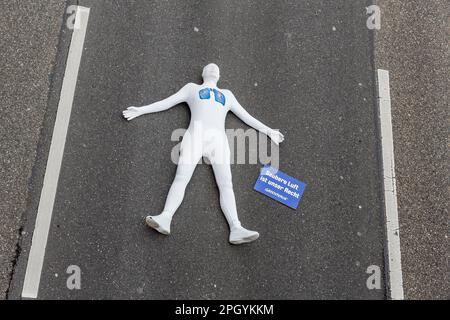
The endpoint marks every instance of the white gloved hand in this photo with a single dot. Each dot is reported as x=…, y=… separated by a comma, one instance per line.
x=276, y=136
x=132, y=113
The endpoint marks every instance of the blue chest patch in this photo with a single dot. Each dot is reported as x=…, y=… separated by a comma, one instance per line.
x=205, y=94
x=220, y=97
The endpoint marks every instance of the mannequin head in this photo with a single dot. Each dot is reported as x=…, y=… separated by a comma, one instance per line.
x=211, y=73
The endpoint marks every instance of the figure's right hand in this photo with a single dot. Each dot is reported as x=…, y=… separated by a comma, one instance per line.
x=132, y=113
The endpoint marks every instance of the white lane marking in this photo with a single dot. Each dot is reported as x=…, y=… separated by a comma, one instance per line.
x=45, y=210
x=394, y=263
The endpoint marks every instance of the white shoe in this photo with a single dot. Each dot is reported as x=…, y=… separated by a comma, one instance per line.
x=160, y=223
x=241, y=235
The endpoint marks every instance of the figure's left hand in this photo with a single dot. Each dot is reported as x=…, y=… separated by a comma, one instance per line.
x=276, y=136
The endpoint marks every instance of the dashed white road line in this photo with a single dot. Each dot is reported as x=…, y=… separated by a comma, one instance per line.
x=47, y=200
x=394, y=263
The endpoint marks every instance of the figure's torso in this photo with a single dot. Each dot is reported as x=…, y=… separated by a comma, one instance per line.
x=209, y=105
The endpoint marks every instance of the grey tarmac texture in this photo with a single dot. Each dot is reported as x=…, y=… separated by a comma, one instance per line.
x=414, y=45
x=315, y=83
x=29, y=32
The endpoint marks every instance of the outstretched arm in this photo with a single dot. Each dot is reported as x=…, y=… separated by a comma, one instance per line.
x=179, y=97
x=242, y=114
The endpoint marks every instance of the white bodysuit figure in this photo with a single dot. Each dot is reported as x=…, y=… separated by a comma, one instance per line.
x=205, y=137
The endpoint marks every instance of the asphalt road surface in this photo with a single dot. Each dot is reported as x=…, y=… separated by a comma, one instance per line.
x=305, y=67
x=420, y=87
x=30, y=34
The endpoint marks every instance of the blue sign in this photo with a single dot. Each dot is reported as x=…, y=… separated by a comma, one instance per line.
x=280, y=187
